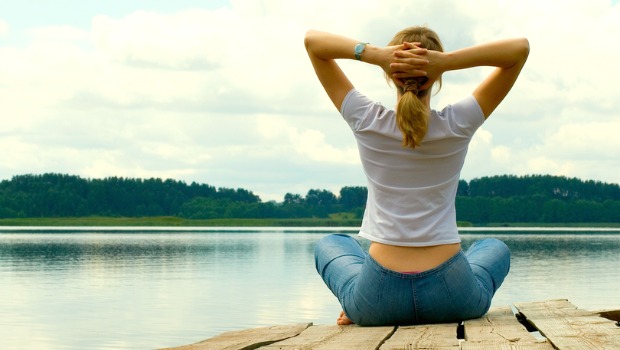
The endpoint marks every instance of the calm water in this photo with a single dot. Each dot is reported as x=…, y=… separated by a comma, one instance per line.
x=102, y=290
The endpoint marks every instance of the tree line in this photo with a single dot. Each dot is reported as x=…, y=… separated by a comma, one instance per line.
x=496, y=199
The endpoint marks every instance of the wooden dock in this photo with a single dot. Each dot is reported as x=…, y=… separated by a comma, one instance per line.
x=554, y=324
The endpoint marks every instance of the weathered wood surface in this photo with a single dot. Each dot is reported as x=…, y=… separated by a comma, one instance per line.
x=500, y=329
x=334, y=337
x=437, y=336
x=559, y=323
x=567, y=327
x=248, y=338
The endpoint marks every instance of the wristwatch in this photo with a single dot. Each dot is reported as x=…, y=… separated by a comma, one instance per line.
x=359, y=48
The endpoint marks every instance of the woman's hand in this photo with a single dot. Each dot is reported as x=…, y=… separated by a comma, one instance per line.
x=414, y=61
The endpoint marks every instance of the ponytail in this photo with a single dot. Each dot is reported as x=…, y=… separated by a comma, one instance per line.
x=411, y=114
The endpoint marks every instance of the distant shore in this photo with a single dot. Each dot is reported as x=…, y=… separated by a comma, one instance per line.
x=171, y=221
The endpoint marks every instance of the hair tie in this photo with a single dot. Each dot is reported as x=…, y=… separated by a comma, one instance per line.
x=412, y=85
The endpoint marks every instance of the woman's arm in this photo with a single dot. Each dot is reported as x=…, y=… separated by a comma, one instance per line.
x=325, y=48
x=508, y=56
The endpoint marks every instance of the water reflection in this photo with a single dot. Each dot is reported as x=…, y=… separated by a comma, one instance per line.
x=137, y=290
x=43, y=250
x=580, y=268
x=535, y=246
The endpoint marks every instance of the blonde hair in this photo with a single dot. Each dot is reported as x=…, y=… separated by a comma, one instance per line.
x=411, y=114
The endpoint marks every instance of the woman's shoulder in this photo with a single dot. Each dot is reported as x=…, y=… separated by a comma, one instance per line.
x=358, y=109
x=465, y=115
x=467, y=105
x=354, y=98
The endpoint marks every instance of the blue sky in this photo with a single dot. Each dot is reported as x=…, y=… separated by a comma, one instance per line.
x=221, y=92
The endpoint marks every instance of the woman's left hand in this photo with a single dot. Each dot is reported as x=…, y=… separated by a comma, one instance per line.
x=411, y=61
x=399, y=59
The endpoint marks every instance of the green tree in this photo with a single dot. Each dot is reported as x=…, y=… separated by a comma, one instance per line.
x=320, y=202
x=352, y=197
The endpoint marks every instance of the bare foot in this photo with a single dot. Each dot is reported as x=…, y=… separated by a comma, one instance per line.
x=343, y=320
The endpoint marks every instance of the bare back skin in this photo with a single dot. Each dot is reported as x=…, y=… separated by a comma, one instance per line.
x=412, y=259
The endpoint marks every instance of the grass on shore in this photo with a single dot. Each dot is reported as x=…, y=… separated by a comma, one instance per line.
x=551, y=224
x=172, y=221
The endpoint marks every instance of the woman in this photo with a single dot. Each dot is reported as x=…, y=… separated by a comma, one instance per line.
x=415, y=271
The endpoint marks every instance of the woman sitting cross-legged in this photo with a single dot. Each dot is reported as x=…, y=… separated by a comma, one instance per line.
x=415, y=270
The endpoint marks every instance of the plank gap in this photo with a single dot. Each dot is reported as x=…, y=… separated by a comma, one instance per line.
x=613, y=315
x=460, y=331
x=529, y=326
x=387, y=337
x=526, y=323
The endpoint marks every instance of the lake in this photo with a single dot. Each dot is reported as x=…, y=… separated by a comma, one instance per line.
x=100, y=288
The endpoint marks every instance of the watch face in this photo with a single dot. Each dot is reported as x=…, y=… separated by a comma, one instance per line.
x=359, y=48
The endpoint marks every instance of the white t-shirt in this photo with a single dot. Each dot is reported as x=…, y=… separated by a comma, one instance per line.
x=411, y=192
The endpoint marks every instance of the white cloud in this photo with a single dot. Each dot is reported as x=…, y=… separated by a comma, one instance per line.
x=17, y=154
x=4, y=29
x=502, y=155
x=583, y=140
x=186, y=40
x=586, y=150
x=311, y=144
x=58, y=34
x=228, y=96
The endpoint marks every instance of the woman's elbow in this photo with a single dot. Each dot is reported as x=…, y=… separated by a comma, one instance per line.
x=309, y=38
x=524, y=48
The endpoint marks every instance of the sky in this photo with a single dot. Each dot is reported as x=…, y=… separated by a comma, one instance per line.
x=222, y=92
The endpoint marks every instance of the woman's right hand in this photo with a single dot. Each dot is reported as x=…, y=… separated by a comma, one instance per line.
x=405, y=62
x=413, y=59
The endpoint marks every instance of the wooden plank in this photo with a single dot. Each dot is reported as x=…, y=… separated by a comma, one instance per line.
x=567, y=327
x=546, y=305
x=247, y=339
x=333, y=337
x=436, y=336
x=562, y=323
x=500, y=329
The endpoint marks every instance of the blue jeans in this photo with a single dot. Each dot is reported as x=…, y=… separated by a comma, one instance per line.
x=460, y=288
